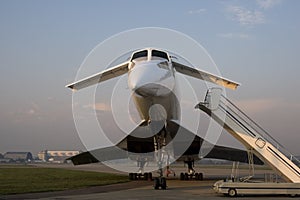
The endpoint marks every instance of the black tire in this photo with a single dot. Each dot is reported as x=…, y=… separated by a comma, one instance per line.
x=163, y=183
x=135, y=176
x=150, y=176
x=182, y=176
x=186, y=176
x=156, y=184
x=131, y=176
x=196, y=176
x=232, y=192
x=200, y=176
x=140, y=176
x=146, y=176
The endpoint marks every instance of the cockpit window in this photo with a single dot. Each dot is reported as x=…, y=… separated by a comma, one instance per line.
x=141, y=55
x=159, y=54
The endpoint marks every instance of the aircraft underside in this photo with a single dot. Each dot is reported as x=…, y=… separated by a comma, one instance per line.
x=188, y=147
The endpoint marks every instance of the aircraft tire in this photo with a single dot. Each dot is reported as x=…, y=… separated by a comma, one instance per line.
x=131, y=176
x=182, y=176
x=196, y=176
x=156, y=183
x=146, y=176
x=186, y=176
x=200, y=176
x=163, y=183
x=139, y=176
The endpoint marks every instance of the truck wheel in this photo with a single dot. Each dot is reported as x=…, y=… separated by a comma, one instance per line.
x=232, y=192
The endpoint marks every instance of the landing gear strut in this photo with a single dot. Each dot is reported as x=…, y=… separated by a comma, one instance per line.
x=160, y=143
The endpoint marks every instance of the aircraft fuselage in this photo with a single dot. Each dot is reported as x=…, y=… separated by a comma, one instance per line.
x=152, y=81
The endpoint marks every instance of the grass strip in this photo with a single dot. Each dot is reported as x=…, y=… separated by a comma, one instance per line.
x=18, y=180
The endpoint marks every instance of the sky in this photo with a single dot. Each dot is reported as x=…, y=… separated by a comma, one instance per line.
x=43, y=43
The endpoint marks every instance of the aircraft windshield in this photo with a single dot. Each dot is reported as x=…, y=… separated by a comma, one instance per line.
x=141, y=55
x=159, y=54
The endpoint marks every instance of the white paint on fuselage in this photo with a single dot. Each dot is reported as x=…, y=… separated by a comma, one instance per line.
x=151, y=78
x=152, y=81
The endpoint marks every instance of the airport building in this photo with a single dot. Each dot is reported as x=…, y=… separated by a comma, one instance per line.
x=18, y=157
x=4, y=160
x=56, y=156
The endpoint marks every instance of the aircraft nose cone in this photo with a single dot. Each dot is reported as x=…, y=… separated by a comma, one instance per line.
x=152, y=89
x=150, y=80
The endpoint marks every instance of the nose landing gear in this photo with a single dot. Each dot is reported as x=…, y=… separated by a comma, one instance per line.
x=160, y=182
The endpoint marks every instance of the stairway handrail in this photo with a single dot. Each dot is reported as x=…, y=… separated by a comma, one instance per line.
x=265, y=133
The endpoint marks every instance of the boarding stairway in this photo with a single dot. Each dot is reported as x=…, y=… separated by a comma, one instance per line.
x=251, y=135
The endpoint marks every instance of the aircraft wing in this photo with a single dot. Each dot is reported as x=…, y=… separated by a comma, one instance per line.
x=106, y=154
x=114, y=153
x=199, y=74
x=128, y=145
x=216, y=152
x=99, y=77
x=131, y=145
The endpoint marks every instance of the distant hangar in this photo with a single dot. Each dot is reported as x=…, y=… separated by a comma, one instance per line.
x=17, y=157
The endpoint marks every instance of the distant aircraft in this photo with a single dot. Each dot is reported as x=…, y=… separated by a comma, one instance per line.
x=152, y=79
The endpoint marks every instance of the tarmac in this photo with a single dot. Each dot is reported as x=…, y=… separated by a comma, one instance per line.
x=133, y=190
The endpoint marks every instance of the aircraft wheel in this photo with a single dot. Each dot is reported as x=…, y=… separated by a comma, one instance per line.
x=200, y=176
x=232, y=192
x=163, y=183
x=182, y=176
x=145, y=176
x=140, y=176
x=156, y=183
x=186, y=176
x=131, y=176
x=196, y=176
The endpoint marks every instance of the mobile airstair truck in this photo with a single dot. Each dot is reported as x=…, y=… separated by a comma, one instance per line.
x=257, y=141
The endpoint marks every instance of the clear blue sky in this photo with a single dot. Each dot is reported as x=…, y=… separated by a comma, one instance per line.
x=42, y=44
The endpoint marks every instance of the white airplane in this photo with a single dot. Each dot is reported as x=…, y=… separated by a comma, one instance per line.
x=152, y=78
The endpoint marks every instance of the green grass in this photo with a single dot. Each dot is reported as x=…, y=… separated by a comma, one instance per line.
x=17, y=180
